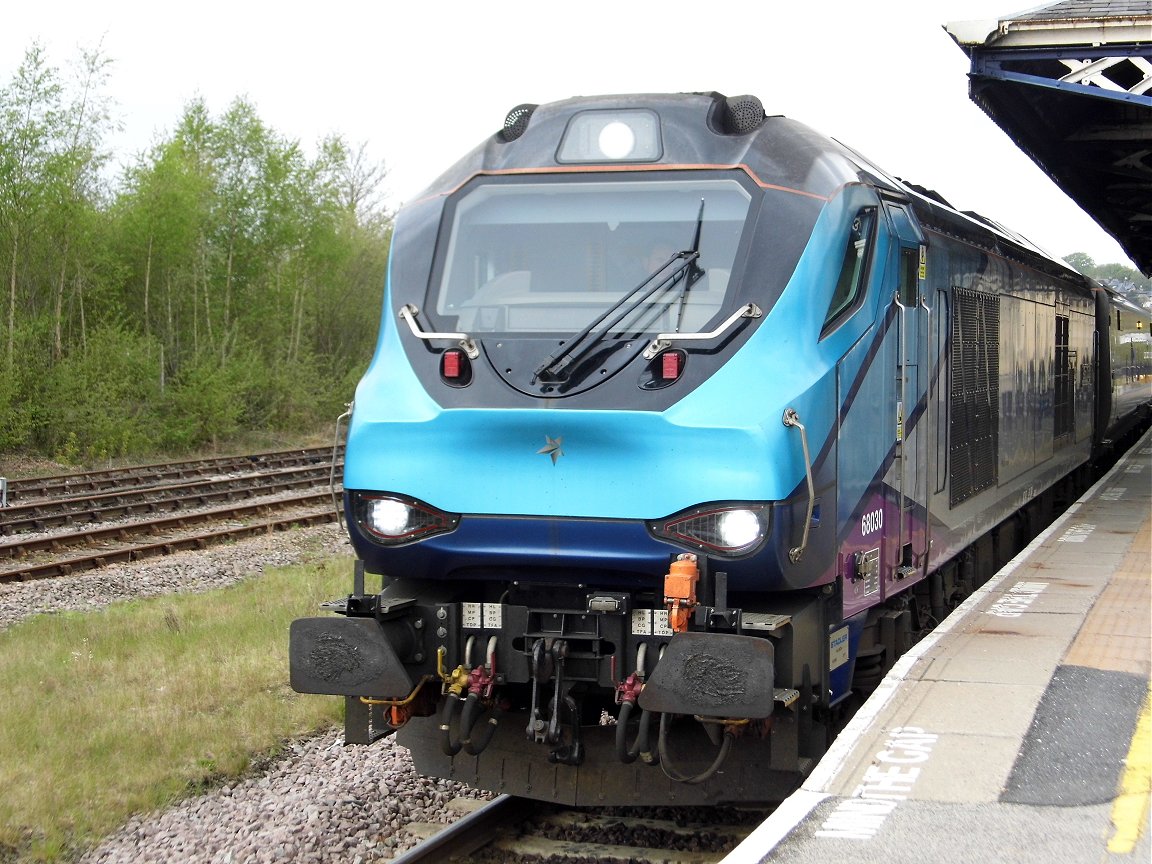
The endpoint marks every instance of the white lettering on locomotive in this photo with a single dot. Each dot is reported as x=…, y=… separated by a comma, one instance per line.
x=872, y=522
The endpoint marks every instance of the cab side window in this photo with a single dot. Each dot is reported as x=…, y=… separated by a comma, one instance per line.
x=857, y=253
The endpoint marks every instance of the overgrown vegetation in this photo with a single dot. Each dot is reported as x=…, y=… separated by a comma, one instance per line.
x=223, y=281
x=127, y=709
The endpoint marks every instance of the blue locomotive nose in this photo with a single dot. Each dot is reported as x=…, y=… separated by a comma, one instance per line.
x=601, y=496
x=596, y=464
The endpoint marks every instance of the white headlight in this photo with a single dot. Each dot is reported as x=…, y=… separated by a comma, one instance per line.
x=388, y=517
x=616, y=140
x=393, y=520
x=738, y=528
x=724, y=529
x=595, y=136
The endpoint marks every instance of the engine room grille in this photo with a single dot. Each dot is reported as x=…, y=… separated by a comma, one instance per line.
x=974, y=423
x=1064, y=378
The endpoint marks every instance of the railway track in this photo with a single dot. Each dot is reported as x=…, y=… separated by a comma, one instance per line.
x=46, y=513
x=511, y=830
x=149, y=515
x=66, y=485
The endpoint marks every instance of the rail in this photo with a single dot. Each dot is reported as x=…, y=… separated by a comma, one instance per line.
x=510, y=829
x=79, y=482
x=177, y=516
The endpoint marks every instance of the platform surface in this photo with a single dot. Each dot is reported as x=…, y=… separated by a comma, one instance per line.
x=1019, y=730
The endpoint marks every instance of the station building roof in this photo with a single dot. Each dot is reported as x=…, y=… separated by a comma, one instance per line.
x=1071, y=85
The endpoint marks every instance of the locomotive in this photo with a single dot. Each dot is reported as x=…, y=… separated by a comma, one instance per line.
x=683, y=423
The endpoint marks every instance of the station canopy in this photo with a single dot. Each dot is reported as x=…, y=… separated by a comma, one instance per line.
x=1071, y=85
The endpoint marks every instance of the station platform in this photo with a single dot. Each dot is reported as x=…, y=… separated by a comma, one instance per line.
x=1020, y=729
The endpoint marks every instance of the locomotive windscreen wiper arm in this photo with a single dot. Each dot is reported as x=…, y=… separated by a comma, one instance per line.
x=617, y=312
x=687, y=270
x=694, y=271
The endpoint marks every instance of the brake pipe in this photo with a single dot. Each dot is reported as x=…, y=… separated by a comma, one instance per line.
x=474, y=744
x=452, y=685
x=449, y=745
x=481, y=682
x=671, y=773
x=640, y=747
x=627, y=694
x=396, y=720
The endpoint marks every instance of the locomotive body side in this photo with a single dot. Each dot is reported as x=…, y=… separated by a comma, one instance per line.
x=1126, y=331
x=643, y=531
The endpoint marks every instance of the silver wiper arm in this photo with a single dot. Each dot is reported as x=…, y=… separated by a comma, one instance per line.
x=665, y=340
x=409, y=312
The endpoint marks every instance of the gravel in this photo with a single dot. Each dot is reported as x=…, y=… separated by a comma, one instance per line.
x=324, y=802
x=320, y=802
x=181, y=572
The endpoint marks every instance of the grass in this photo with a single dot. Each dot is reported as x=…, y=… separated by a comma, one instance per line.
x=113, y=712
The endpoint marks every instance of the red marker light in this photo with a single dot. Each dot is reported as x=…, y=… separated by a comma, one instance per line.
x=451, y=363
x=671, y=365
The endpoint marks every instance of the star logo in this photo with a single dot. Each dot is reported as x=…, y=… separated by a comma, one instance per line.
x=553, y=448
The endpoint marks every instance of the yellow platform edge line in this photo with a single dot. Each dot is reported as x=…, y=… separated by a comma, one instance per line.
x=1130, y=809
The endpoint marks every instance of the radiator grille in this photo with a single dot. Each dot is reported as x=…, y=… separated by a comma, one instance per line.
x=975, y=399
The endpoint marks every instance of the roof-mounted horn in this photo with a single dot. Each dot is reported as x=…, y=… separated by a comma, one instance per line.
x=516, y=122
x=737, y=115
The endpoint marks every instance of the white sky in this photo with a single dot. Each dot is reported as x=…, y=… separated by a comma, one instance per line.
x=423, y=82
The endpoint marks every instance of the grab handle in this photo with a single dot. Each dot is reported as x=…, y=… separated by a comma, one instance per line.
x=791, y=418
x=409, y=312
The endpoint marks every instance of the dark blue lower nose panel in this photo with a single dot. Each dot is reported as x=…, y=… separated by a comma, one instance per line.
x=483, y=545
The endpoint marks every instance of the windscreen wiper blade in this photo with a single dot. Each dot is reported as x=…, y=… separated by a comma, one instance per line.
x=687, y=270
x=694, y=270
x=563, y=357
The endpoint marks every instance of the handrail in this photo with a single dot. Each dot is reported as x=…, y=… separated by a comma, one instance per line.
x=927, y=429
x=665, y=340
x=902, y=417
x=791, y=418
x=409, y=312
x=348, y=406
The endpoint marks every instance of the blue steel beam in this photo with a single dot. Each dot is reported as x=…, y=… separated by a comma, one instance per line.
x=992, y=65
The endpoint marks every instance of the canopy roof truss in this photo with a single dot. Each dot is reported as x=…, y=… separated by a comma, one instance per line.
x=1074, y=92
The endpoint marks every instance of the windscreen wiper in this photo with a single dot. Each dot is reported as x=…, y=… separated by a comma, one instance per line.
x=694, y=271
x=556, y=364
x=688, y=272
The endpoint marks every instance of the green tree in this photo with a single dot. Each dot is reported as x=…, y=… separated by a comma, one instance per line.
x=160, y=216
x=104, y=397
x=75, y=186
x=351, y=261
x=1124, y=274
x=279, y=262
x=51, y=231
x=1082, y=261
x=226, y=281
x=31, y=123
x=1112, y=273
